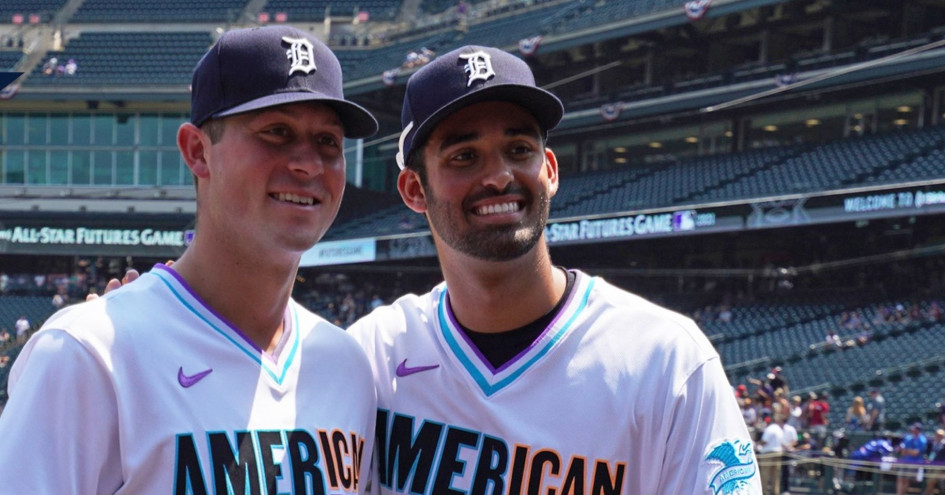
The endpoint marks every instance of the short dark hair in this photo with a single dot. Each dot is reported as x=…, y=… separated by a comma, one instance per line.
x=214, y=129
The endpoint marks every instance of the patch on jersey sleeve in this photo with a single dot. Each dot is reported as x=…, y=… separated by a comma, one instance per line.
x=734, y=466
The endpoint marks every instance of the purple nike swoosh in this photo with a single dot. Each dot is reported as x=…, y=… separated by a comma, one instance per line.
x=189, y=381
x=403, y=370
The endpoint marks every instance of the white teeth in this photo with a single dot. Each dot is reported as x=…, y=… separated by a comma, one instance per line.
x=295, y=198
x=498, y=208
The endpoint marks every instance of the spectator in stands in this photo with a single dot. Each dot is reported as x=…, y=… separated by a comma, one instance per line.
x=71, y=67
x=741, y=391
x=911, y=454
x=58, y=300
x=96, y=405
x=51, y=67
x=22, y=327
x=935, y=312
x=876, y=410
x=833, y=340
x=817, y=411
x=856, y=418
x=725, y=314
x=778, y=381
x=764, y=393
x=780, y=403
x=4, y=335
x=376, y=302
x=872, y=451
x=749, y=412
x=771, y=447
x=797, y=417
x=789, y=443
x=4, y=282
x=941, y=413
x=936, y=458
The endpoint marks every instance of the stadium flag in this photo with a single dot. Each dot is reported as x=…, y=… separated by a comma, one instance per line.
x=390, y=76
x=5, y=79
x=610, y=111
x=528, y=46
x=696, y=9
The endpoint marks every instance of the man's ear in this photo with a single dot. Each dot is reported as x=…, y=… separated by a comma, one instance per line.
x=551, y=171
x=194, y=146
x=411, y=190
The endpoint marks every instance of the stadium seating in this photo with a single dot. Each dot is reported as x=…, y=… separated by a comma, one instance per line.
x=8, y=59
x=113, y=59
x=302, y=10
x=35, y=308
x=45, y=9
x=176, y=11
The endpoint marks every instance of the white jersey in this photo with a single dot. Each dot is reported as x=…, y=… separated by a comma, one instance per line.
x=146, y=390
x=617, y=396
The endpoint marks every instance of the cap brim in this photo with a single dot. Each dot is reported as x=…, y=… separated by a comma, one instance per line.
x=546, y=107
x=358, y=122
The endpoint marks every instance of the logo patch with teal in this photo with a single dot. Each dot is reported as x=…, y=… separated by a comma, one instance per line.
x=735, y=467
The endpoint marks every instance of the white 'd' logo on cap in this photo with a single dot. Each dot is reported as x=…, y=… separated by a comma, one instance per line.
x=301, y=54
x=478, y=66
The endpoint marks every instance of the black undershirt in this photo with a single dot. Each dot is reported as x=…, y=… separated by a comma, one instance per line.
x=501, y=347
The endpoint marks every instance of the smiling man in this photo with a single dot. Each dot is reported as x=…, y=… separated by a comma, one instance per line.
x=517, y=376
x=206, y=377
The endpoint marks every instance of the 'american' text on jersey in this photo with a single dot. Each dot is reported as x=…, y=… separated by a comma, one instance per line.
x=438, y=459
x=260, y=462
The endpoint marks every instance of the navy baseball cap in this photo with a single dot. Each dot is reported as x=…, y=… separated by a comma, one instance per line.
x=253, y=68
x=462, y=77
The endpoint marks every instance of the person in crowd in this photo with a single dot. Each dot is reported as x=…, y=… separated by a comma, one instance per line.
x=771, y=447
x=207, y=377
x=856, y=417
x=789, y=443
x=911, y=455
x=935, y=472
x=818, y=409
x=22, y=327
x=500, y=357
x=876, y=411
x=797, y=417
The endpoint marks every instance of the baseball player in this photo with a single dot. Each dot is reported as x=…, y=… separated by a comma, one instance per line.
x=206, y=377
x=516, y=376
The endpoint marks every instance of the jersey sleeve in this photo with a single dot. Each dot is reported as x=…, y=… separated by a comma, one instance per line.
x=709, y=450
x=59, y=427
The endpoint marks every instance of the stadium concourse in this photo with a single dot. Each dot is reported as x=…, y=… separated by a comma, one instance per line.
x=773, y=168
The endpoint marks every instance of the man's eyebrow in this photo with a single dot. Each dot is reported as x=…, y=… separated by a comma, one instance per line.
x=527, y=131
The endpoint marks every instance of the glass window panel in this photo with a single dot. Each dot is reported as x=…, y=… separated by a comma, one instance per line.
x=15, y=129
x=104, y=129
x=36, y=172
x=149, y=130
x=170, y=168
x=58, y=167
x=81, y=168
x=125, y=130
x=14, y=167
x=169, y=125
x=59, y=129
x=102, y=168
x=124, y=167
x=81, y=130
x=36, y=128
x=148, y=168
x=187, y=178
